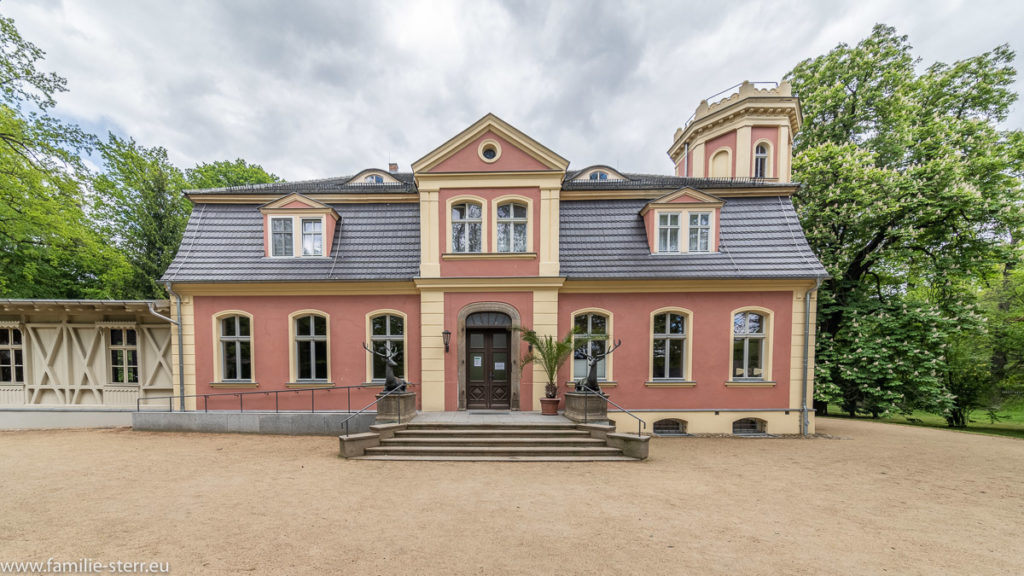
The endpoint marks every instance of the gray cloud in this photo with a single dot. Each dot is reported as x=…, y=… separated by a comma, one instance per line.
x=314, y=89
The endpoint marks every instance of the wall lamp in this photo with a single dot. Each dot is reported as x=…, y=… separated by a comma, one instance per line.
x=447, y=337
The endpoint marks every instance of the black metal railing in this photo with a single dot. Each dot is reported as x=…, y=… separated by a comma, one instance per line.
x=374, y=403
x=588, y=391
x=265, y=393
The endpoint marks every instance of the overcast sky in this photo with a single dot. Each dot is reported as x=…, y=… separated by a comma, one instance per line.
x=318, y=89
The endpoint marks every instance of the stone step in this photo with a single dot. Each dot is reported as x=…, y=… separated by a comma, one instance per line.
x=493, y=451
x=492, y=441
x=497, y=426
x=442, y=458
x=483, y=432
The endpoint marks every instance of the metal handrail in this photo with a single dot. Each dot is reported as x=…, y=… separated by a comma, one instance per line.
x=729, y=89
x=241, y=395
x=378, y=399
x=587, y=391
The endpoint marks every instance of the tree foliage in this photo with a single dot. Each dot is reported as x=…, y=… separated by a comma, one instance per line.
x=47, y=247
x=226, y=173
x=908, y=185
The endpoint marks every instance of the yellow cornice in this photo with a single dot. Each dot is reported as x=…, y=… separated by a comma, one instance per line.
x=504, y=284
x=489, y=256
x=300, y=212
x=679, y=205
x=545, y=179
x=490, y=122
x=749, y=106
x=696, y=285
x=357, y=198
x=294, y=288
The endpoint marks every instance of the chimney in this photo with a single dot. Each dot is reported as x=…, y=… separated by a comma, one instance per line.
x=393, y=167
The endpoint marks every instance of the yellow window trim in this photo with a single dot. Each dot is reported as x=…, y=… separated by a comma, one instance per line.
x=610, y=342
x=684, y=229
x=769, y=167
x=688, y=358
x=218, y=364
x=297, y=234
x=529, y=221
x=460, y=199
x=766, y=379
x=293, y=369
x=488, y=256
x=369, y=341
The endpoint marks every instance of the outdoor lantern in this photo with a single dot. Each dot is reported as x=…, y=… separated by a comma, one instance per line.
x=447, y=336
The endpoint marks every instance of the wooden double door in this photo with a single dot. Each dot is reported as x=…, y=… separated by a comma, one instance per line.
x=488, y=369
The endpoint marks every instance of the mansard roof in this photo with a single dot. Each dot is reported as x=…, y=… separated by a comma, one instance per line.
x=760, y=238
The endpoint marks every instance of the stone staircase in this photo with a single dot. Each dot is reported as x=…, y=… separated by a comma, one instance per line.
x=561, y=441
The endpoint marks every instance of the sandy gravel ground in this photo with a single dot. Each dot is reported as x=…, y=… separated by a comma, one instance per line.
x=877, y=499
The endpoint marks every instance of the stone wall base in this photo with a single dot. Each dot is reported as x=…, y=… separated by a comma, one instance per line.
x=591, y=408
x=399, y=407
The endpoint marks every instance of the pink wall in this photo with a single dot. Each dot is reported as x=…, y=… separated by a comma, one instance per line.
x=771, y=134
x=347, y=330
x=468, y=159
x=712, y=146
x=454, y=302
x=491, y=268
x=710, y=331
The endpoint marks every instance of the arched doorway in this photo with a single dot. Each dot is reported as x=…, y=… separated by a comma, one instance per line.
x=488, y=357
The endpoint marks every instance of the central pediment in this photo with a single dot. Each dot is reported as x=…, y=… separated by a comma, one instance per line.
x=490, y=145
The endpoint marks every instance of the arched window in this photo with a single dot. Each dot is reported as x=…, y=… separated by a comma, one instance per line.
x=512, y=220
x=12, y=366
x=761, y=161
x=467, y=223
x=598, y=175
x=748, y=345
x=374, y=179
x=668, y=352
x=388, y=330
x=591, y=325
x=721, y=164
x=670, y=427
x=236, y=348
x=311, y=347
x=748, y=427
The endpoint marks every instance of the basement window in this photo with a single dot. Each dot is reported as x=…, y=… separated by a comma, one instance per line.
x=749, y=427
x=670, y=427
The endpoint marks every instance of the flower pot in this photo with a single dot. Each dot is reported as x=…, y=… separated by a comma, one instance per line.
x=549, y=406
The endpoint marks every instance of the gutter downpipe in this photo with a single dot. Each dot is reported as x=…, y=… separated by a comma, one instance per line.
x=181, y=344
x=805, y=423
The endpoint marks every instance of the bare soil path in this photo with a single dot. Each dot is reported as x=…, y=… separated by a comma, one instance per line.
x=876, y=499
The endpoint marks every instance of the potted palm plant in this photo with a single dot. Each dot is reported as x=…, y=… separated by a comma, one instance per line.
x=549, y=354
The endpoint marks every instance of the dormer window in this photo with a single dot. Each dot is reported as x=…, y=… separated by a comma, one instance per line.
x=700, y=231
x=312, y=237
x=668, y=232
x=599, y=175
x=374, y=179
x=281, y=236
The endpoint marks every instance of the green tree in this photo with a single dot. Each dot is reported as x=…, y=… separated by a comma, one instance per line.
x=140, y=205
x=47, y=247
x=907, y=184
x=226, y=173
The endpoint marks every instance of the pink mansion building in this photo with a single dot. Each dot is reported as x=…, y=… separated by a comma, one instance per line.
x=703, y=274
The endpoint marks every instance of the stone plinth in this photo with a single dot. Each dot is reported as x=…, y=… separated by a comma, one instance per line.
x=580, y=407
x=399, y=407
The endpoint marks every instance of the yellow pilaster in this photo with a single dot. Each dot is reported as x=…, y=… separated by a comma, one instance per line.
x=785, y=154
x=430, y=253
x=549, y=230
x=432, y=350
x=545, y=323
x=697, y=166
x=743, y=152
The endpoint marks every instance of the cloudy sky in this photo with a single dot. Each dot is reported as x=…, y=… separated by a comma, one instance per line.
x=315, y=89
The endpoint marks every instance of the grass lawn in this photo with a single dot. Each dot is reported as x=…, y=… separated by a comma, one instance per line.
x=1011, y=421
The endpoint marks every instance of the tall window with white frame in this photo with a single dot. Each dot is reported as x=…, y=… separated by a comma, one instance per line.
x=668, y=232
x=312, y=237
x=124, y=356
x=311, y=348
x=387, y=330
x=281, y=237
x=761, y=161
x=668, y=358
x=12, y=368
x=590, y=326
x=236, y=349
x=700, y=232
x=512, y=222
x=467, y=226
x=748, y=346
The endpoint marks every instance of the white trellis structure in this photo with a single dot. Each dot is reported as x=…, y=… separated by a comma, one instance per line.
x=65, y=346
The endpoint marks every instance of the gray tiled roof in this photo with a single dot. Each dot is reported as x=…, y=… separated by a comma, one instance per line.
x=335, y=185
x=662, y=182
x=760, y=238
x=224, y=243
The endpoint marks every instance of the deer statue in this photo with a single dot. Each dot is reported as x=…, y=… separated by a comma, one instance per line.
x=589, y=382
x=390, y=381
